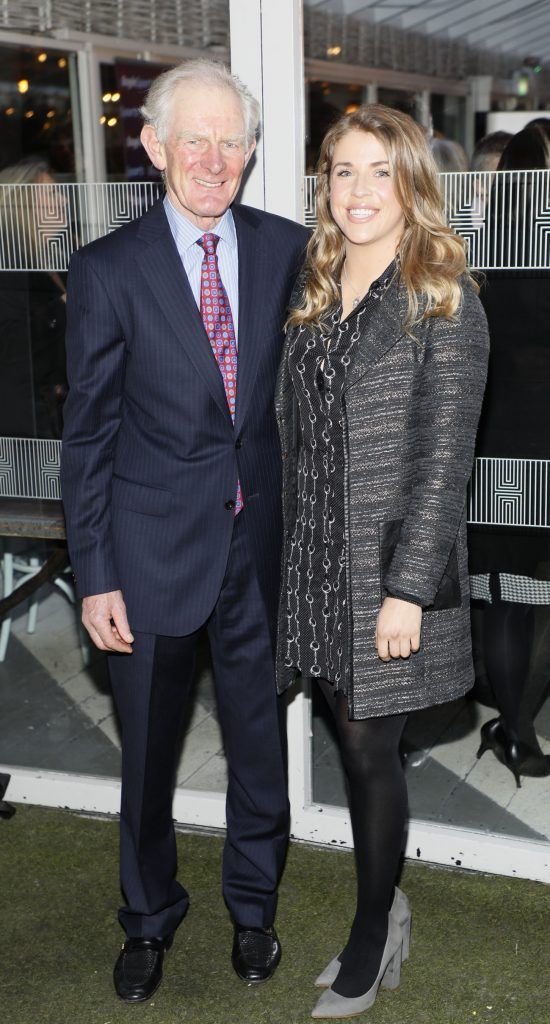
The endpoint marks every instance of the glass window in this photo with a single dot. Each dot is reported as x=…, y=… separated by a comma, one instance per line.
x=124, y=84
x=448, y=116
x=36, y=107
x=325, y=102
x=400, y=99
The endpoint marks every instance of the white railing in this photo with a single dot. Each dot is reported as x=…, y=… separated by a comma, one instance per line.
x=42, y=225
x=503, y=215
x=310, y=206
x=29, y=468
x=502, y=492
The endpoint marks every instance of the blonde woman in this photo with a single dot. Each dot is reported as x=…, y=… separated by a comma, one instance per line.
x=378, y=399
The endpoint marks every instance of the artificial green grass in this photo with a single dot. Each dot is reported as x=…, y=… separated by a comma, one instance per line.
x=479, y=953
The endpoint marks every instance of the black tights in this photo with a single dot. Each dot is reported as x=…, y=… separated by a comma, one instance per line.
x=377, y=794
x=507, y=641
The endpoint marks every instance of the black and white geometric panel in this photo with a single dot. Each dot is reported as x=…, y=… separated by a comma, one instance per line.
x=42, y=225
x=505, y=217
x=29, y=468
x=510, y=492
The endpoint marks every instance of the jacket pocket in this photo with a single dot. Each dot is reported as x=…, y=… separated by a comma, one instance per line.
x=149, y=501
x=448, y=593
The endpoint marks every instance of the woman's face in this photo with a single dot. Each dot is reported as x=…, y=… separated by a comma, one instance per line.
x=362, y=197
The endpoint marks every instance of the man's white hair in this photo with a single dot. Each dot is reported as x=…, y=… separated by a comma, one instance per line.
x=156, y=110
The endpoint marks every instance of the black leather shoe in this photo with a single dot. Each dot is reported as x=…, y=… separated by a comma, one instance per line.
x=138, y=970
x=256, y=953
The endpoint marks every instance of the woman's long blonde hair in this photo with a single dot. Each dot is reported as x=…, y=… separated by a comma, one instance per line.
x=432, y=258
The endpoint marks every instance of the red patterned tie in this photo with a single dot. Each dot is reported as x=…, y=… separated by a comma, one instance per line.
x=218, y=324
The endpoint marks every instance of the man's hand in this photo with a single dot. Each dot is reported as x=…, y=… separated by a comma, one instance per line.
x=398, y=629
x=104, y=616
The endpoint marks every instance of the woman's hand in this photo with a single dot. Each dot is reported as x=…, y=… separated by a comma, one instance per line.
x=398, y=629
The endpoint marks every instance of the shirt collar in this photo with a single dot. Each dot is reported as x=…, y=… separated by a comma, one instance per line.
x=187, y=234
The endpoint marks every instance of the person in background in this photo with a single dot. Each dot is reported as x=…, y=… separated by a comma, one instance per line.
x=33, y=381
x=378, y=399
x=528, y=150
x=543, y=123
x=510, y=566
x=448, y=155
x=171, y=481
x=488, y=151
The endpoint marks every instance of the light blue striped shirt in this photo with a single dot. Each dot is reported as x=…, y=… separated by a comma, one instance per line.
x=185, y=236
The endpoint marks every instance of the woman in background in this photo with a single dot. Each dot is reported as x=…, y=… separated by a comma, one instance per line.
x=378, y=399
x=510, y=566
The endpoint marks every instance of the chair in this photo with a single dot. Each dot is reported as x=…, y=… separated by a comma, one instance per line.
x=30, y=507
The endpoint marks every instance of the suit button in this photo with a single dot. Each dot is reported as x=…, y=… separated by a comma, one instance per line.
x=229, y=505
x=238, y=443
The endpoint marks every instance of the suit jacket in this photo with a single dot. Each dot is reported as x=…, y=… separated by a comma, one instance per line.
x=411, y=408
x=150, y=453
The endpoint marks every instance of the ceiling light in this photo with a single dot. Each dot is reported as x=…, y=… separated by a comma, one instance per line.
x=42, y=57
x=23, y=85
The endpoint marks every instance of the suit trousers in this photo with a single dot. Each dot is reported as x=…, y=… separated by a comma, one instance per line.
x=151, y=689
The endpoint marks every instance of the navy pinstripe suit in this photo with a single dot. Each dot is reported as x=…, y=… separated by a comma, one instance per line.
x=150, y=462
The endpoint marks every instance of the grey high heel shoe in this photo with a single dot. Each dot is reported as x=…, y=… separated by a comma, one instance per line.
x=331, y=1006
x=401, y=913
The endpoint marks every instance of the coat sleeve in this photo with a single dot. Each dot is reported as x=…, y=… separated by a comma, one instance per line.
x=445, y=412
x=95, y=369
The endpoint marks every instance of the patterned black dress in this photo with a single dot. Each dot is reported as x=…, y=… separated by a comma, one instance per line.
x=316, y=569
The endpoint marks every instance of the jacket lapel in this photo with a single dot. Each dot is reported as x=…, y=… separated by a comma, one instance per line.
x=384, y=330
x=162, y=269
x=253, y=285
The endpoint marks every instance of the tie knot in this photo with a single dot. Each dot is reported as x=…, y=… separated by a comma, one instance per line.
x=209, y=242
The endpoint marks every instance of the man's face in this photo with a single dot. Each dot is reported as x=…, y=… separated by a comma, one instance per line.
x=205, y=152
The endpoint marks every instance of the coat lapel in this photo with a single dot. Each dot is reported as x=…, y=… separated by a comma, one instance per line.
x=162, y=269
x=384, y=330
x=253, y=286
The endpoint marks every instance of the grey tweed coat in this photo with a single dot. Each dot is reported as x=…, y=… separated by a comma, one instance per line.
x=411, y=408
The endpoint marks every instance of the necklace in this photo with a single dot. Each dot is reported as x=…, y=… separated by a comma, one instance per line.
x=357, y=299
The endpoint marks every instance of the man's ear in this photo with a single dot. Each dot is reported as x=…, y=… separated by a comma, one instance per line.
x=249, y=152
x=152, y=146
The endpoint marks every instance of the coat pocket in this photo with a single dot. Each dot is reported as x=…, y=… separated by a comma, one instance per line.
x=448, y=593
x=149, y=501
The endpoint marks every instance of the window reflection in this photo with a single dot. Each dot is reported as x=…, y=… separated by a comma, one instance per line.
x=36, y=116
x=33, y=382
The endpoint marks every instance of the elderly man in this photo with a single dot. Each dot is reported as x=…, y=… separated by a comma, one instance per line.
x=171, y=484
